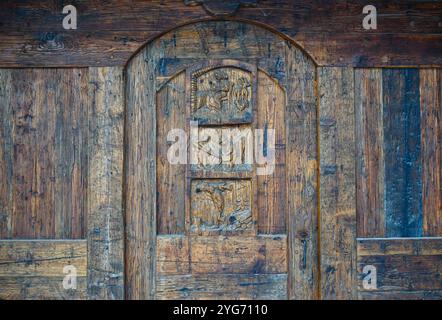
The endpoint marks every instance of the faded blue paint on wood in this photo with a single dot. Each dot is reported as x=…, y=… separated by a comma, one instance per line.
x=402, y=152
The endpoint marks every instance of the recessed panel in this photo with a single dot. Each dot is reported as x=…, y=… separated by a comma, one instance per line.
x=221, y=205
x=222, y=95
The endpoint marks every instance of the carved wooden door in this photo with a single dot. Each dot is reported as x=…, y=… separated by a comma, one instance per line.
x=231, y=212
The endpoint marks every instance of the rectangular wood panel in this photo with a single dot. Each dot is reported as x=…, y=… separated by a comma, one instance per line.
x=272, y=199
x=223, y=286
x=369, y=152
x=44, y=112
x=105, y=184
x=33, y=269
x=337, y=183
x=171, y=113
x=32, y=33
x=404, y=267
x=240, y=254
x=402, y=152
x=431, y=135
x=220, y=254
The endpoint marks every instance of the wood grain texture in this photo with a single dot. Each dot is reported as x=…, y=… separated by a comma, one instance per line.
x=105, y=184
x=150, y=72
x=44, y=153
x=239, y=254
x=402, y=152
x=33, y=269
x=171, y=179
x=431, y=136
x=369, y=152
x=301, y=175
x=140, y=176
x=6, y=156
x=399, y=246
x=223, y=286
x=337, y=183
x=173, y=255
x=404, y=267
x=401, y=295
x=110, y=32
x=272, y=199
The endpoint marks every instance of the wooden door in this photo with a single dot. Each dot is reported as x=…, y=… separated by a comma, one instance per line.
x=220, y=228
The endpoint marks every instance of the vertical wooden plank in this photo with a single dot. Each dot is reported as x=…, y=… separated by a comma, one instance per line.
x=403, y=181
x=337, y=183
x=46, y=159
x=33, y=99
x=271, y=200
x=369, y=153
x=140, y=176
x=301, y=181
x=431, y=135
x=105, y=184
x=171, y=179
x=6, y=152
x=70, y=154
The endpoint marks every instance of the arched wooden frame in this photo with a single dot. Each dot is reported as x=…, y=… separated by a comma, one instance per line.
x=158, y=62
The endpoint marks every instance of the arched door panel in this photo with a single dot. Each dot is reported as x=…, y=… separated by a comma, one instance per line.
x=218, y=225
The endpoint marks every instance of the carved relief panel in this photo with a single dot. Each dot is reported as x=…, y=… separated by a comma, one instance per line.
x=222, y=95
x=221, y=205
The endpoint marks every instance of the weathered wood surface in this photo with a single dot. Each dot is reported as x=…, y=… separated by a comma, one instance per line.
x=431, y=154
x=369, y=152
x=406, y=268
x=271, y=198
x=33, y=269
x=402, y=153
x=154, y=84
x=223, y=286
x=43, y=150
x=221, y=254
x=302, y=175
x=140, y=176
x=105, y=230
x=399, y=155
x=408, y=33
x=337, y=183
x=171, y=179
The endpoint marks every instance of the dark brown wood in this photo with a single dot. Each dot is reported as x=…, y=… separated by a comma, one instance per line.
x=44, y=112
x=431, y=135
x=337, y=183
x=369, y=152
x=110, y=32
x=33, y=269
x=404, y=267
x=105, y=184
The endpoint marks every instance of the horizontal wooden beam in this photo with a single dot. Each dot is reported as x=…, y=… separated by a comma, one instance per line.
x=34, y=269
x=108, y=33
x=406, y=268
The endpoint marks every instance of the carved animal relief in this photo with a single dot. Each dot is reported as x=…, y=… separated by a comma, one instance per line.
x=222, y=95
x=220, y=205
